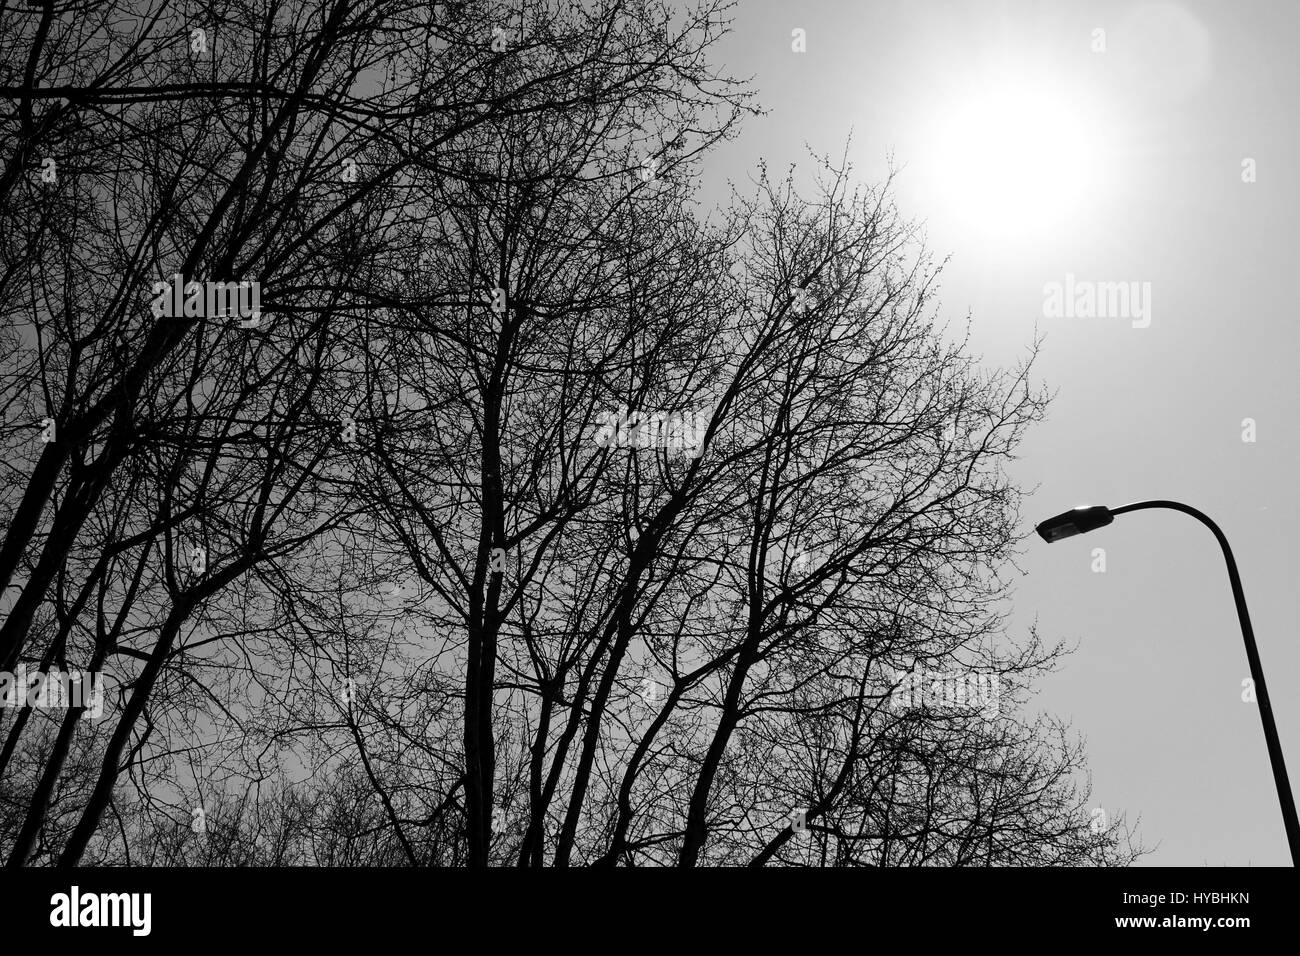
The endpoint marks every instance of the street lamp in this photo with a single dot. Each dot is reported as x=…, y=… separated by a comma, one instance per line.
x=1089, y=518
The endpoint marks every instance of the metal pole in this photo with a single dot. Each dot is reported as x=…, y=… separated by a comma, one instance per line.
x=1256, y=669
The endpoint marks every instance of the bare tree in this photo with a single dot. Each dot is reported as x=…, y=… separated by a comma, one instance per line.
x=519, y=514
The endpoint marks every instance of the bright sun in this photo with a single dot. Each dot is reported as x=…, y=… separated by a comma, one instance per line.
x=1010, y=161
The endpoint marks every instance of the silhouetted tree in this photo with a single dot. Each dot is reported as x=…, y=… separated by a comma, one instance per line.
x=534, y=518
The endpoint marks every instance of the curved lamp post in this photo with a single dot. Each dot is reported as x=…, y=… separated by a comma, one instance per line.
x=1082, y=520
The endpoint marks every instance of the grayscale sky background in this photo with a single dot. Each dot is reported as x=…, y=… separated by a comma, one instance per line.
x=1122, y=165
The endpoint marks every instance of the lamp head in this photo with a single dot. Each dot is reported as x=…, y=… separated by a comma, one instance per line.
x=1076, y=521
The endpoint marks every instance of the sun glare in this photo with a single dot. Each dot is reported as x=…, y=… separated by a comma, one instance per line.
x=1010, y=160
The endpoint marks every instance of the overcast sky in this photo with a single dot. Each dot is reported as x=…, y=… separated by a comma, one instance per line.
x=1114, y=140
